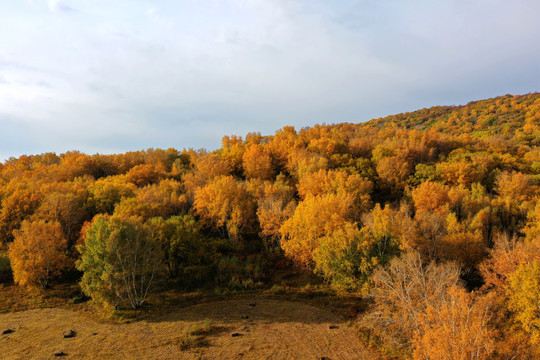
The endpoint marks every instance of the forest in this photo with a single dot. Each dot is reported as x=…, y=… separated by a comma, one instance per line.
x=432, y=216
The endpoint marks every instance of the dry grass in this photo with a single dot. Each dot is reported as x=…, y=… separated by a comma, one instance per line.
x=17, y=298
x=271, y=329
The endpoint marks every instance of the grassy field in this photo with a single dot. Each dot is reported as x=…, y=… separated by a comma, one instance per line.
x=263, y=329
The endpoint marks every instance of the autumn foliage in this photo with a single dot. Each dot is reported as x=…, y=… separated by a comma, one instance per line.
x=428, y=213
x=38, y=253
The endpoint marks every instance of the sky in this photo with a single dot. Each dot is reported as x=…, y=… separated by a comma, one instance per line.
x=104, y=76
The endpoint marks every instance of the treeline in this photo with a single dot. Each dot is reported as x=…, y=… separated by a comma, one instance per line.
x=416, y=209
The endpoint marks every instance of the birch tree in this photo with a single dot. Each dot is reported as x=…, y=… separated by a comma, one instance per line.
x=120, y=259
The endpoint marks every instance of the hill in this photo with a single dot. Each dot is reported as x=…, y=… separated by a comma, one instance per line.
x=408, y=213
x=510, y=117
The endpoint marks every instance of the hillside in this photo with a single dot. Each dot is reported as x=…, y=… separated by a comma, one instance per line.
x=510, y=117
x=415, y=215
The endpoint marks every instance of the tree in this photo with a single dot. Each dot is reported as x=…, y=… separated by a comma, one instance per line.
x=74, y=164
x=506, y=256
x=67, y=205
x=232, y=151
x=404, y=290
x=348, y=256
x=38, y=253
x=390, y=227
x=120, y=259
x=182, y=243
x=167, y=197
x=106, y=193
x=225, y=205
x=206, y=168
x=393, y=172
x=142, y=175
x=16, y=207
x=340, y=183
x=456, y=329
x=431, y=197
x=524, y=298
x=257, y=163
x=275, y=206
x=313, y=219
x=462, y=245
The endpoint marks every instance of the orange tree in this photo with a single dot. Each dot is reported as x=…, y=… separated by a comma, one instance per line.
x=38, y=253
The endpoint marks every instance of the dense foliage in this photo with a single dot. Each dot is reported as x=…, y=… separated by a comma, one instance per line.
x=440, y=202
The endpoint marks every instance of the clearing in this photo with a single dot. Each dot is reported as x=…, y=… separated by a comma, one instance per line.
x=262, y=328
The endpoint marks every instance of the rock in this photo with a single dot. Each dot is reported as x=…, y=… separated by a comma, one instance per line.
x=60, y=353
x=69, y=334
x=332, y=327
x=236, y=334
x=244, y=317
x=8, y=331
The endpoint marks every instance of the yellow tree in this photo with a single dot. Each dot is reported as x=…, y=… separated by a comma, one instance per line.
x=430, y=197
x=206, y=168
x=340, y=183
x=68, y=206
x=532, y=227
x=314, y=218
x=275, y=206
x=506, y=256
x=257, y=163
x=456, y=329
x=38, y=253
x=142, y=175
x=74, y=164
x=107, y=192
x=167, y=197
x=225, y=205
x=232, y=150
x=524, y=298
x=16, y=207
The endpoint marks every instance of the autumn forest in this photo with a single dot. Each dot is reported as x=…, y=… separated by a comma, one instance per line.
x=431, y=217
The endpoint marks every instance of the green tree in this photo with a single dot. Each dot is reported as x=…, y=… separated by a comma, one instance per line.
x=120, y=259
x=182, y=243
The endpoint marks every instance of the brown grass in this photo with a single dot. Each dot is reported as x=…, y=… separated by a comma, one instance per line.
x=272, y=329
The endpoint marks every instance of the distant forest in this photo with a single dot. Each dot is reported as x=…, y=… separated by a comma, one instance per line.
x=434, y=215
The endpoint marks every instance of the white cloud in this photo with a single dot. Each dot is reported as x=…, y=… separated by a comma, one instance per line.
x=122, y=75
x=59, y=5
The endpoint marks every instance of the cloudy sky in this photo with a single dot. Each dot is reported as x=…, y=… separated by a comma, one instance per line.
x=111, y=76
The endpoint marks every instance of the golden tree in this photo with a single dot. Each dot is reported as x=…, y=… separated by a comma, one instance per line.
x=524, y=298
x=314, y=218
x=38, y=253
x=275, y=206
x=257, y=163
x=225, y=205
x=455, y=329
